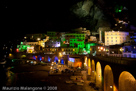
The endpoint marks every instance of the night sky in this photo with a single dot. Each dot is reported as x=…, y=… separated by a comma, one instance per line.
x=22, y=17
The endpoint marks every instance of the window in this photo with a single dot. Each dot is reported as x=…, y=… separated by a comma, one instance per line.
x=116, y=37
x=107, y=37
x=111, y=40
x=111, y=37
x=107, y=40
x=120, y=37
x=116, y=40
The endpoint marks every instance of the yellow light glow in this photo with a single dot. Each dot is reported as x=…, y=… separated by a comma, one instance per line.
x=89, y=67
x=60, y=54
x=10, y=54
x=115, y=88
x=110, y=86
x=59, y=60
x=38, y=39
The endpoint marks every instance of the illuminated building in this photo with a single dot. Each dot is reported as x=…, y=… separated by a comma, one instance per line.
x=69, y=50
x=74, y=62
x=52, y=50
x=99, y=50
x=22, y=47
x=88, y=47
x=77, y=36
x=76, y=43
x=101, y=31
x=115, y=50
x=129, y=51
x=35, y=37
x=92, y=39
x=30, y=49
x=115, y=37
x=31, y=43
x=52, y=43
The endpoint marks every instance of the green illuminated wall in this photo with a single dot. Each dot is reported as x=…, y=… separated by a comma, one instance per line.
x=79, y=43
x=22, y=47
x=76, y=35
x=87, y=47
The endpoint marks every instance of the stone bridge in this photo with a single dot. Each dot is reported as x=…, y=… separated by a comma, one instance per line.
x=112, y=74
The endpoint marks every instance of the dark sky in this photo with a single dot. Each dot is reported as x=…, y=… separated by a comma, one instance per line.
x=22, y=17
x=30, y=16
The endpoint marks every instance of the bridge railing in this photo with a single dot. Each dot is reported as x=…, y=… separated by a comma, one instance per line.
x=121, y=60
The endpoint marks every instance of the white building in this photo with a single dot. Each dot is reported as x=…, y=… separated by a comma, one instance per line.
x=115, y=37
x=92, y=38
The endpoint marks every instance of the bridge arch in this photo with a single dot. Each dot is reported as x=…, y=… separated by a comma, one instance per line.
x=108, y=79
x=98, y=75
x=55, y=59
x=93, y=73
x=127, y=82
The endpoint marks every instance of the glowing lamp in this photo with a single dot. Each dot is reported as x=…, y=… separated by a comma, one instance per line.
x=17, y=50
x=110, y=86
x=10, y=54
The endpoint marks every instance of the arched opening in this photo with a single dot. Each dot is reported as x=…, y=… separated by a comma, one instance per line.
x=49, y=59
x=98, y=75
x=39, y=57
x=127, y=82
x=62, y=61
x=93, y=72
x=56, y=60
x=108, y=78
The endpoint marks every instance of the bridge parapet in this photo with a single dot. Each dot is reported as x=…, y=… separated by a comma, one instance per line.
x=116, y=60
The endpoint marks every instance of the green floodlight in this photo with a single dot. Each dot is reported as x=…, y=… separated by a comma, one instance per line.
x=120, y=10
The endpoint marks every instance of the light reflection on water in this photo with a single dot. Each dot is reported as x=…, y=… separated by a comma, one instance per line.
x=10, y=77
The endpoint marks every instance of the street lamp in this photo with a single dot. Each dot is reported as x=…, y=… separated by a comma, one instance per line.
x=121, y=49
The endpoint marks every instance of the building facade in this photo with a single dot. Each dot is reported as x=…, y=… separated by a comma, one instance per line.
x=129, y=51
x=53, y=43
x=115, y=37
